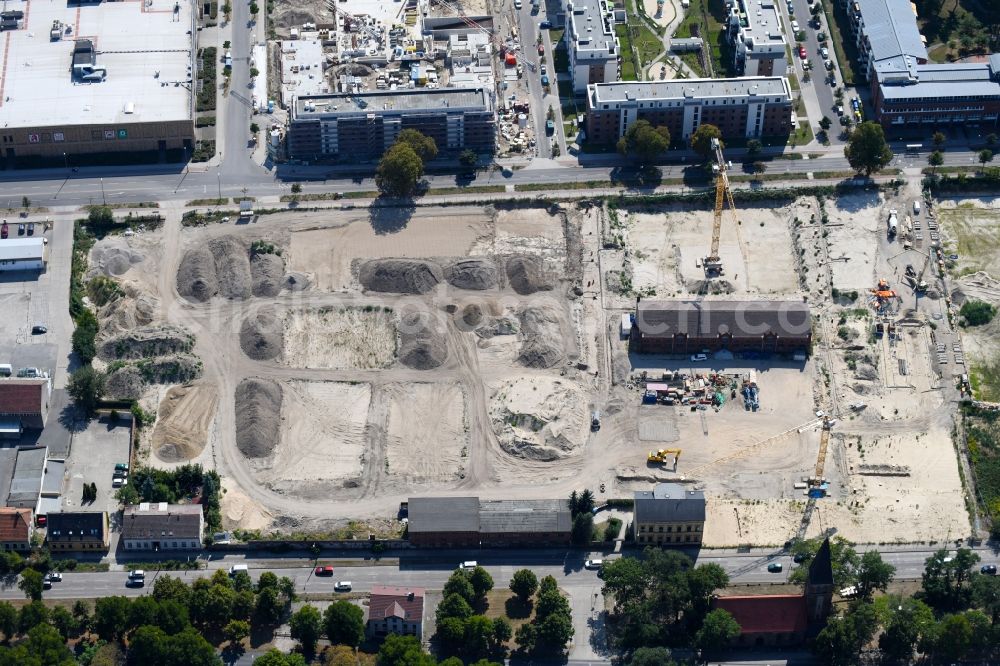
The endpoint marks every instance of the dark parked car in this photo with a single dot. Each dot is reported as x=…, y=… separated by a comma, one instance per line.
x=988, y=569
x=774, y=567
x=38, y=329
x=545, y=25
x=799, y=558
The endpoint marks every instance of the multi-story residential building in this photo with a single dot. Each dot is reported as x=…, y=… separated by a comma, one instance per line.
x=77, y=531
x=759, y=44
x=669, y=514
x=591, y=43
x=884, y=30
x=161, y=526
x=364, y=125
x=740, y=108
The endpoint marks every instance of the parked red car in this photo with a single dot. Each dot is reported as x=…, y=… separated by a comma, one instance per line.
x=324, y=571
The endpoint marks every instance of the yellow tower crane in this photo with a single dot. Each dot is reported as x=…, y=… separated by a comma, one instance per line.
x=713, y=262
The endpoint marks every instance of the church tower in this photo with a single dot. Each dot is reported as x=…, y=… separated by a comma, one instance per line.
x=819, y=586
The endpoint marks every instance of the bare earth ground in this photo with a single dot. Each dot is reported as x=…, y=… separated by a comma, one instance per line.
x=183, y=421
x=359, y=431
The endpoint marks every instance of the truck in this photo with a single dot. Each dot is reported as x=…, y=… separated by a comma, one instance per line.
x=893, y=222
x=246, y=209
x=595, y=420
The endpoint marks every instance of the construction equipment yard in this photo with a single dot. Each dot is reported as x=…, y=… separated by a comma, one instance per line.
x=333, y=363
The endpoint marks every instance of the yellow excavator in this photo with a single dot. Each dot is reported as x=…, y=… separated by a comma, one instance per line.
x=660, y=456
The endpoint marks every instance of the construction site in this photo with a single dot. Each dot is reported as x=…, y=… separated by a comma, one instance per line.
x=782, y=356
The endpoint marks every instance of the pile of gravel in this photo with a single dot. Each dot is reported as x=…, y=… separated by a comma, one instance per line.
x=258, y=417
x=865, y=371
x=527, y=275
x=472, y=315
x=267, y=274
x=146, y=341
x=400, y=276
x=542, y=346
x=296, y=282
x=262, y=335
x=125, y=383
x=232, y=266
x=112, y=256
x=478, y=274
x=421, y=342
x=196, y=276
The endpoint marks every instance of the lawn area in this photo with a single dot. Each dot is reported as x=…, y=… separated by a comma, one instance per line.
x=847, y=52
x=628, y=55
x=704, y=19
x=982, y=438
x=501, y=602
x=976, y=231
x=567, y=100
x=802, y=135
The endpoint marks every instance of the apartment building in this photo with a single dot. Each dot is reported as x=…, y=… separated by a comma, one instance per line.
x=668, y=514
x=884, y=31
x=361, y=126
x=591, y=42
x=758, y=38
x=741, y=108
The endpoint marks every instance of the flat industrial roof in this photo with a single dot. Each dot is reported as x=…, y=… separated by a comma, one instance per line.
x=690, y=88
x=27, y=481
x=891, y=28
x=379, y=101
x=14, y=249
x=144, y=46
x=302, y=68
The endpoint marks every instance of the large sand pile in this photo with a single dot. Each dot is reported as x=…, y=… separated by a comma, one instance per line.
x=182, y=422
x=422, y=341
x=134, y=308
x=222, y=268
x=267, y=274
x=475, y=273
x=539, y=418
x=112, y=256
x=262, y=335
x=146, y=341
x=542, y=345
x=258, y=417
x=527, y=275
x=400, y=276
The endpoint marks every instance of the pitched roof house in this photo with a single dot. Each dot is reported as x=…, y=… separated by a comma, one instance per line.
x=161, y=526
x=395, y=610
x=15, y=528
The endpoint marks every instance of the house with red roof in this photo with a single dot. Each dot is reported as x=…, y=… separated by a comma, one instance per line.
x=15, y=528
x=24, y=405
x=395, y=610
x=785, y=619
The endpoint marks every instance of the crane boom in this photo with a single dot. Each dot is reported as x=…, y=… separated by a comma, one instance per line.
x=723, y=194
x=356, y=21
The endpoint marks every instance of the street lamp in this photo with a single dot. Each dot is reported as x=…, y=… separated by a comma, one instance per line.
x=65, y=161
x=219, y=175
x=104, y=198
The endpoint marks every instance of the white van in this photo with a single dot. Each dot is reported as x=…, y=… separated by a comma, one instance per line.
x=916, y=207
x=342, y=586
x=471, y=564
x=236, y=568
x=137, y=574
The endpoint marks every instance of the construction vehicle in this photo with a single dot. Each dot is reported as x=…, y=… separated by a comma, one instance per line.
x=357, y=22
x=660, y=457
x=713, y=262
x=893, y=222
x=595, y=420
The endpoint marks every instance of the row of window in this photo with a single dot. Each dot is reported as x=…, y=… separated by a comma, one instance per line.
x=670, y=528
x=656, y=538
x=146, y=545
x=743, y=101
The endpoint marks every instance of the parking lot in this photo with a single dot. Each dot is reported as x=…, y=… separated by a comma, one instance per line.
x=93, y=455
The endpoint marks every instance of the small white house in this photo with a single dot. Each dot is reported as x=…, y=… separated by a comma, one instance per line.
x=22, y=254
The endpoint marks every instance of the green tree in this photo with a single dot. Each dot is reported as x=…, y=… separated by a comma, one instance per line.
x=468, y=158
x=171, y=587
x=986, y=596
x=759, y=167
x=423, y=145
x=652, y=656
x=84, y=336
x=643, y=142
x=953, y=638
x=754, y=147
x=344, y=623
x=701, y=140
x=478, y=636
x=254, y=9
x=482, y=582
x=985, y=156
x=547, y=584
x=399, y=650
x=31, y=584
x=269, y=608
x=873, y=574
x=840, y=642
x=8, y=620
x=502, y=632
x=275, y=657
x=717, y=632
x=946, y=584
x=583, y=528
x=524, y=583
x=586, y=502
x=843, y=558
x=86, y=387
x=991, y=139
x=935, y=159
x=43, y=647
x=236, y=630
x=867, y=150
x=459, y=583
x=32, y=615
x=172, y=616
x=111, y=617
x=142, y=611
x=977, y=313
x=296, y=188
x=938, y=139
x=552, y=633
x=825, y=123
x=454, y=605
x=399, y=171
x=63, y=621
x=254, y=127
x=451, y=633
x=910, y=620
x=306, y=627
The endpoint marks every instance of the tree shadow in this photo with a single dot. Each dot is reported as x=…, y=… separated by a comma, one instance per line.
x=73, y=419
x=389, y=216
x=516, y=609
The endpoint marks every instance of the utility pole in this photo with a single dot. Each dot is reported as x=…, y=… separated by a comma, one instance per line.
x=103, y=197
x=219, y=175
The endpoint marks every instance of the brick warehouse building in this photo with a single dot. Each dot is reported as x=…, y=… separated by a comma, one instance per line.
x=689, y=327
x=741, y=108
x=468, y=522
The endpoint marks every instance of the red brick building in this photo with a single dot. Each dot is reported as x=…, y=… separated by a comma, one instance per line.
x=15, y=529
x=395, y=610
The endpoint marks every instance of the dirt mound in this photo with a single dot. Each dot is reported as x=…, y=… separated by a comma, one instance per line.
x=262, y=335
x=400, y=276
x=145, y=342
x=267, y=274
x=865, y=371
x=125, y=383
x=112, y=256
x=182, y=422
x=421, y=342
x=472, y=315
x=197, y=279
x=136, y=308
x=478, y=274
x=232, y=266
x=176, y=369
x=296, y=282
x=258, y=417
x=527, y=275
x=542, y=346
x=539, y=418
